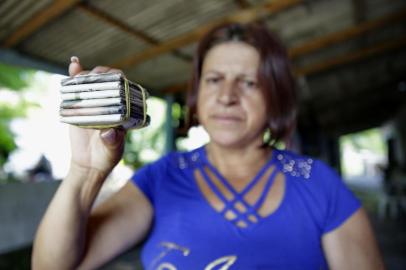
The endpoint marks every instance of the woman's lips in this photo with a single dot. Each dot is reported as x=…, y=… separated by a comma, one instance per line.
x=226, y=118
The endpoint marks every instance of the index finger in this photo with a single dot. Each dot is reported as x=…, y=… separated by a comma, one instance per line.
x=104, y=69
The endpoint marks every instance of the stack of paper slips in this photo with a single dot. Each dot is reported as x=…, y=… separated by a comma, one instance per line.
x=102, y=101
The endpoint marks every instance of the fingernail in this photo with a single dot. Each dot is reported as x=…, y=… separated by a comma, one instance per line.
x=109, y=136
x=74, y=59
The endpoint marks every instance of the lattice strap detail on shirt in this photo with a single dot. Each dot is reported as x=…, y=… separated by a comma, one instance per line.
x=236, y=209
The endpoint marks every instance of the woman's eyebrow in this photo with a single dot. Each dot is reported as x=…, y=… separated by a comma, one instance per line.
x=248, y=75
x=211, y=71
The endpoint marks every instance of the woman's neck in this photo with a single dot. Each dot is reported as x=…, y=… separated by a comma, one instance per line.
x=238, y=162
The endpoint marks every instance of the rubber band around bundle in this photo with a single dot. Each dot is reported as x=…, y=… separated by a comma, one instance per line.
x=144, y=106
x=128, y=109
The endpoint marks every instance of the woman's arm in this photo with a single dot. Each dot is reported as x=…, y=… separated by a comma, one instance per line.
x=69, y=236
x=116, y=225
x=353, y=245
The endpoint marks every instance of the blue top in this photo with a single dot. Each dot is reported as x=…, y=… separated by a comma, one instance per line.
x=189, y=233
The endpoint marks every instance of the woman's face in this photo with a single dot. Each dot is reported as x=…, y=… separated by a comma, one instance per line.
x=230, y=104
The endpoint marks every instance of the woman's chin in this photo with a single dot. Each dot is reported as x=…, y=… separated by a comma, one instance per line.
x=227, y=140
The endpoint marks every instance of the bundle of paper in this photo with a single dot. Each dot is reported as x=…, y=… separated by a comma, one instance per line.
x=102, y=101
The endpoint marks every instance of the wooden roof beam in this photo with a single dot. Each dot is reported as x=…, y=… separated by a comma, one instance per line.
x=351, y=57
x=359, y=10
x=351, y=32
x=327, y=64
x=103, y=16
x=243, y=16
x=242, y=4
x=40, y=19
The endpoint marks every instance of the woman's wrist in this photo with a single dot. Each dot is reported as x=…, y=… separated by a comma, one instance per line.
x=83, y=173
x=87, y=182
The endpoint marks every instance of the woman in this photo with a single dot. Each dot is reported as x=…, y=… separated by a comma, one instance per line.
x=236, y=203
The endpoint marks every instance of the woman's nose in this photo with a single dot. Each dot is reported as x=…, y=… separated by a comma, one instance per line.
x=228, y=93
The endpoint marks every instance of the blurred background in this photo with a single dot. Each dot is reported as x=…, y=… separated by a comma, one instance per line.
x=349, y=60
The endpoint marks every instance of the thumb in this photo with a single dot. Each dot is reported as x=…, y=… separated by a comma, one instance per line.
x=74, y=66
x=112, y=137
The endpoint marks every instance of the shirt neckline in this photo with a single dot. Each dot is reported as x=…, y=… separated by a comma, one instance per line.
x=251, y=183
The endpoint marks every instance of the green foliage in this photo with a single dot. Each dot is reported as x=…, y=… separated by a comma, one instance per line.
x=370, y=139
x=7, y=144
x=8, y=113
x=14, y=78
x=360, y=149
x=147, y=144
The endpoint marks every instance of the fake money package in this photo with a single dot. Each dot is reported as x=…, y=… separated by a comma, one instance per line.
x=103, y=100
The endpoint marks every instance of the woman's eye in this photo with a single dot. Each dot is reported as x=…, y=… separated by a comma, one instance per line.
x=249, y=84
x=212, y=80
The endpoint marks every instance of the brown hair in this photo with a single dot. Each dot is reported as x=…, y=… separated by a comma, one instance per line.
x=274, y=75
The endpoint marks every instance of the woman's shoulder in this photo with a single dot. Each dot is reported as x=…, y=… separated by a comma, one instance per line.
x=300, y=165
x=181, y=159
x=187, y=158
x=319, y=184
x=294, y=164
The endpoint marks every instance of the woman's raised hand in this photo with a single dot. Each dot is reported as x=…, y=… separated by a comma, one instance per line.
x=91, y=149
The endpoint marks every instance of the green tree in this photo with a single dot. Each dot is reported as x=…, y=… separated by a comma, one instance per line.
x=11, y=79
x=147, y=140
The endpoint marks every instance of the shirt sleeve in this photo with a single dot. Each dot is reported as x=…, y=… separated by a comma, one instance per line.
x=341, y=203
x=142, y=178
x=147, y=178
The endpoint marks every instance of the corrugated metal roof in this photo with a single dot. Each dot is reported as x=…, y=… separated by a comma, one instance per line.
x=166, y=19
x=14, y=13
x=304, y=23
x=106, y=32
x=160, y=72
x=76, y=33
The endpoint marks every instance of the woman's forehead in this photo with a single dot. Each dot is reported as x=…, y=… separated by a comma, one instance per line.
x=232, y=56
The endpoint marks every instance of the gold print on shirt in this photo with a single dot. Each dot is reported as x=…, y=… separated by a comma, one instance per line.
x=169, y=246
x=166, y=266
x=226, y=261
x=222, y=263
